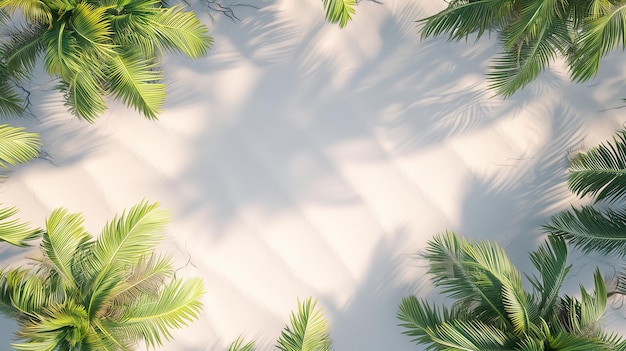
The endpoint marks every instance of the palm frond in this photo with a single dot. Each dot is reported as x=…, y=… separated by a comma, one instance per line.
x=464, y=17
x=490, y=261
x=550, y=259
x=530, y=17
x=11, y=103
x=572, y=342
x=62, y=53
x=605, y=31
x=463, y=277
x=601, y=171
x=34, y=11
x=424, y=323
x=62, y=324
x=178, y=303
x=147, y=277
x=179, y=30
x=22, y=49
x=17, y=145
x=135, y=82
x=14, y=231
x=64, y=236
x=127, y=238
x=591, y=230
x=308, y=330
x=238, y=345
x=83, y=94
x=593, y=305
x=23, y=294
x=93, y=29
x=525, y=58
x=339, y=11
x=123, y=242
x=419, y=318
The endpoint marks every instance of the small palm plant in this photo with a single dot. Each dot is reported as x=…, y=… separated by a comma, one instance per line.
x=601, y=174
x=107, y=293
x=308, y=332
x=493, y=311
x=96, y=49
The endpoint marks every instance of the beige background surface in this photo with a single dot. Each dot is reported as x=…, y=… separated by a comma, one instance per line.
x=300, y=160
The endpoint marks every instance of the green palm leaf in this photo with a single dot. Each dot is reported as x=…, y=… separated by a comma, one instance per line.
x=463, y=17
x=11, y=102
x=153, y=316
x=464, y=278
x=181, y=31
x=17, y=145
x=238, y=345
x=64, y=237
x=93, y=29
x=593, y=305
x=601, y=171
x=22, y=49
x=34, y=11
x=23, y=294
x=134, y=81
x=526, y=55
x=424, y=322
x=147, y=277
x=604, y=32
x=490, y=261
x=123, y=242
x=62, y=55
x=83, y=94
x=339, y=11
x=308, y=330
x=550, y=259
x=591, y=230
x=14, y=231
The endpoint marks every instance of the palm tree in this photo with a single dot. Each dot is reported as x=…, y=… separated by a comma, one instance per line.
x=98, y=48
x=308, y=332
x=534, y=33
x=98, y=294
x=599, y=173
x=492, y=310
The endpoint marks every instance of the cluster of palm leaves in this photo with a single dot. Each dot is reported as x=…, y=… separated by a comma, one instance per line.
x=308, y=332
x=100, y=294
x=599, y=173
x=535, y=32
x=493, y=311
x=95, y=49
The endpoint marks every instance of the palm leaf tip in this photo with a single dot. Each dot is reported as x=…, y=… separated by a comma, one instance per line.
x=601, y=171
x=17, y=145
x=308, y=330
x=339, y=11
x=14, y=231
x=240, y=345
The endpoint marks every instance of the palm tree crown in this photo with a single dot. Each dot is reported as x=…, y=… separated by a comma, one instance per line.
x=98, y=294
x=97, y=48
x=493, y=311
